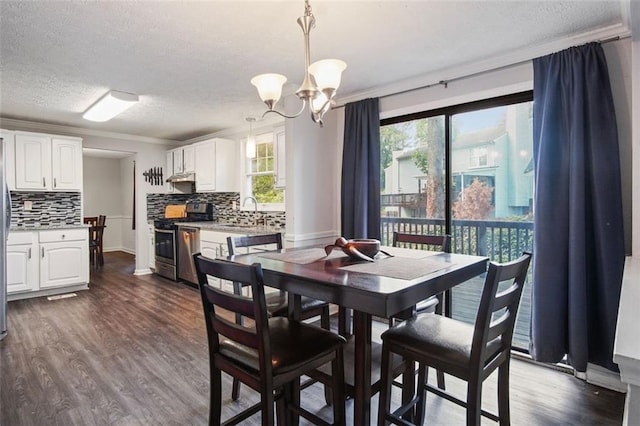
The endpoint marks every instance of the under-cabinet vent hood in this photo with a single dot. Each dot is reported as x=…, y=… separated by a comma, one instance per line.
x=182, y=177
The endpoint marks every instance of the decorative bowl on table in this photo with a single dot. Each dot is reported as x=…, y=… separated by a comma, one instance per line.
x=358, y=248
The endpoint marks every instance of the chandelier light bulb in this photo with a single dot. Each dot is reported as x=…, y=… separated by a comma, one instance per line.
x=327, y=73
x=269, y=86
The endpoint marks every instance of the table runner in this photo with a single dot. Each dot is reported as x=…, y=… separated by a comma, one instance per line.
x=400, y=267
x=303, y=256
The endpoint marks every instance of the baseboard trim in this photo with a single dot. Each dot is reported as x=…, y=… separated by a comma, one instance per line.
x=146, y=271
x=47, y=292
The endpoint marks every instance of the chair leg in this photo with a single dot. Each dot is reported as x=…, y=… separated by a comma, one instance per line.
x=337, y=388
x=235, y=390
x=266, y=401
x=474, y=402
x=503, y=394
x=421, y=404
x=215, y=397
x=440, y=377
x=384, y=398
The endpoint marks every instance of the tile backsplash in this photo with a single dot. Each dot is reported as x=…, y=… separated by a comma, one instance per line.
x=47, y=209
x=223, y=203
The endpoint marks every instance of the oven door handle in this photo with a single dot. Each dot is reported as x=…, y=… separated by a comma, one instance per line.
x=163, y=231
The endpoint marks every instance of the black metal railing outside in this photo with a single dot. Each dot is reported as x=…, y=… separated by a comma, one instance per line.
x=499, y=240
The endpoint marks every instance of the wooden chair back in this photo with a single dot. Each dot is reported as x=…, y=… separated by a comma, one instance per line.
x=90, y=220
x=431, y=242
x=496, y=316
x=254, y=307
x=234, y=243
x=102, y=220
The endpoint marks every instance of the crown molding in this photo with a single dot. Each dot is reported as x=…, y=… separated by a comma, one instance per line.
x=13, y=124
x=507, y=60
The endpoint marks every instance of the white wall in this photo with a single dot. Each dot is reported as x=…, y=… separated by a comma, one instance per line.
x=101, y=195
x=128, y=234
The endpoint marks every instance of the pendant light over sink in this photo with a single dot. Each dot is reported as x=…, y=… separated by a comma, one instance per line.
x=317, y=92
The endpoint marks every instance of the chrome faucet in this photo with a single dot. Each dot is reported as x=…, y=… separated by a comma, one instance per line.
x=255, y=208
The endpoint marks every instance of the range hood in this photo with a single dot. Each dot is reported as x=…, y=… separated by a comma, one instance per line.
x=182, y=177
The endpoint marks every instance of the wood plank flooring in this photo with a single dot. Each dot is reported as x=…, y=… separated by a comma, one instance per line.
x=133, y=351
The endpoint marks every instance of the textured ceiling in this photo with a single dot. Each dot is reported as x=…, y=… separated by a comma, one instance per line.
x=191, y=62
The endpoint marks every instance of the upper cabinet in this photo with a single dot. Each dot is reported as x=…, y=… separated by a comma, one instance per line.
x=183, y=159
x=216, y=166
x=9, y=157
x=47, y=163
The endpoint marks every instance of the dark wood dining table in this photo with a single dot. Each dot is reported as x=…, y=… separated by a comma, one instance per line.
x=389, y=286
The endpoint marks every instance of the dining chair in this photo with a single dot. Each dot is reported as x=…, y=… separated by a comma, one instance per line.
x=90, y=220
x=469, y=352
x=277, y=301
x=440, y=303
x=270, y=354
x=96, y=255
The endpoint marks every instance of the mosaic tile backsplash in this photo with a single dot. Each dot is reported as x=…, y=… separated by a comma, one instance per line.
x=223, y=203
x=49, y=209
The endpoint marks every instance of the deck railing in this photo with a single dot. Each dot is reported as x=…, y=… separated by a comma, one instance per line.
x=500, y=240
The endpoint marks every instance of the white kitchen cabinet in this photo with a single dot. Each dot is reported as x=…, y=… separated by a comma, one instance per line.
x=280, y=157
x=47, y=163
x=189, y=159
x=183, y=159
x=9, y=158
x=216, y=166
x=64, y=257
x=23, y=269
x=45, y=262
x=205, y=166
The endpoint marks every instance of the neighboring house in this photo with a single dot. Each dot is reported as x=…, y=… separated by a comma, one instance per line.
x=498, y=156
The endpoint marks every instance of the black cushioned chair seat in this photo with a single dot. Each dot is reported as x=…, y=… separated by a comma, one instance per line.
x=444, y=341
x=278, y=305
x=292, y=344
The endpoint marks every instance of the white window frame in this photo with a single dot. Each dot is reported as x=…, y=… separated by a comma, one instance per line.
x=245, y=189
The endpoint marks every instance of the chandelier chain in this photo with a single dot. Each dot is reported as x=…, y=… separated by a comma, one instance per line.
x=308, y=12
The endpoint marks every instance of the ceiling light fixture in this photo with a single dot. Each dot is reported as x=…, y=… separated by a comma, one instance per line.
x=326, y=75
x=250, y=144
x=110, y=105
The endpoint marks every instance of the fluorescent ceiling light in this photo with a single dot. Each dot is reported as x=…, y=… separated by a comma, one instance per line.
x=110, y=105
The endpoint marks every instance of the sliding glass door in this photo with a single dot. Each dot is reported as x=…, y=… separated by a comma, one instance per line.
x=467, y=171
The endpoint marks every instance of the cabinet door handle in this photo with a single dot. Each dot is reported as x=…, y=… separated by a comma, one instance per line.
x=44, y=183
x=55, y=182
x=42, y=251
x=29, y=253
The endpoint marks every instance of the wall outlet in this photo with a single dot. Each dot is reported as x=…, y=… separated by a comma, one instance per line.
x=28, y=205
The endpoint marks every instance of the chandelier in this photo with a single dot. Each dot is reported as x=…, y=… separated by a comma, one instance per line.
x=317, y=92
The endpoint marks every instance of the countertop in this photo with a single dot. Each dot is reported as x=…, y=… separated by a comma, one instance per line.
x=48, y=227
x=233, y=228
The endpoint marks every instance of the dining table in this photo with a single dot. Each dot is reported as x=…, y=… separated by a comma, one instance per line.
x=391, y=285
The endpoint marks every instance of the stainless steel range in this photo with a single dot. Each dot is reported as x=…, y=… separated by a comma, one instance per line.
x=166, y=230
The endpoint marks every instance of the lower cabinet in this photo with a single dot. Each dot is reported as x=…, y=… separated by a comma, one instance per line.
x=47, y=260
x=23, y=265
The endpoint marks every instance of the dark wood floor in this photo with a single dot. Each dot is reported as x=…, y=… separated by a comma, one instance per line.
x=133, y=351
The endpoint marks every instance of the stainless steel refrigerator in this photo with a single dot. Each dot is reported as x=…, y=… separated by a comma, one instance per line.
x=5, y=210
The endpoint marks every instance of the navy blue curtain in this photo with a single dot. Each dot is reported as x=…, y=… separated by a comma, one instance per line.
x=578, y=233
x=361, y=170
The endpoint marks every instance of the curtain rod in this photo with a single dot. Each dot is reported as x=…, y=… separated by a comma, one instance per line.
x=446, y=82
